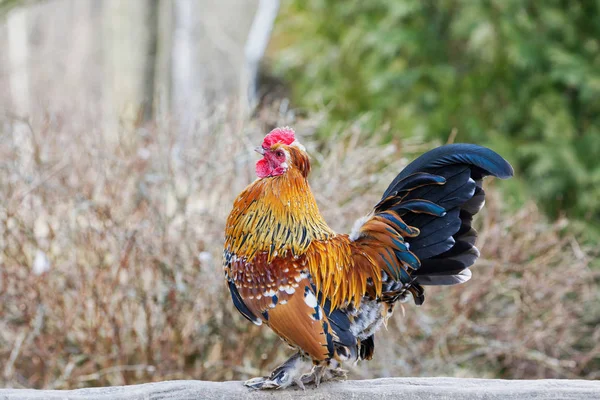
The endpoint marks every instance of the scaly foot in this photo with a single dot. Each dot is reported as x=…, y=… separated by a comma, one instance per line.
x=283, y=376
x=322, y=374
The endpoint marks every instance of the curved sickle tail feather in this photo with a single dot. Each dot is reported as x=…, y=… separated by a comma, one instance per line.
x=437, y=196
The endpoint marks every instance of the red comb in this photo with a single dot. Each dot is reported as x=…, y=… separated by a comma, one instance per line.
x=279, y=135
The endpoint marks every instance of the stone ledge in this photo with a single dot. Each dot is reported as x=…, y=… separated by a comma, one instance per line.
x=385, y=388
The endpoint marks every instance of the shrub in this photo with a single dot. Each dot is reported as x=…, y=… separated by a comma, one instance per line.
x=521, y=76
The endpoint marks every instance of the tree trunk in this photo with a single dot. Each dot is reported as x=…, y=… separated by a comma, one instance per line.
x=130, y=45
x=256, y=44
x=186, y=65
x=18, y=57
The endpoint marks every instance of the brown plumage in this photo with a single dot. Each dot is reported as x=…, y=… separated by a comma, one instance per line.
x=326, y=294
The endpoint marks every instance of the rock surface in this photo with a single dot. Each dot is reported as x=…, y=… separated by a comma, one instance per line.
x=387, y=388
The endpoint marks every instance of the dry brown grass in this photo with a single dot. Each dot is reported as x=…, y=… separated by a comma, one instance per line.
x=131, y=236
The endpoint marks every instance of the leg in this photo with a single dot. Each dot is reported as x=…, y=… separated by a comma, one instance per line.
x=283, y=376
x=325, y=371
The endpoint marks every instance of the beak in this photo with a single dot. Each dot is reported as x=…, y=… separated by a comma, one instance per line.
x=259, y=150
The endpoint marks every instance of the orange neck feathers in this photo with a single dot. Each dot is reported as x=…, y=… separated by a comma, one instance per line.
x=276, y=214
x=299, y=159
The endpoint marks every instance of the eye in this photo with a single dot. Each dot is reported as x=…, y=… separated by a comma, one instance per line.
x=279, y=153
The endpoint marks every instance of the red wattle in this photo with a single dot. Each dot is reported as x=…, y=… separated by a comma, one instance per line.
x=263, y=169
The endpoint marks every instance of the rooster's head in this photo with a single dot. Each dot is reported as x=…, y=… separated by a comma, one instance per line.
x=281, y=151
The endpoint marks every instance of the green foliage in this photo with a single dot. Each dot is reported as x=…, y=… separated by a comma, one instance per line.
x=7, y=5
x=520, y=76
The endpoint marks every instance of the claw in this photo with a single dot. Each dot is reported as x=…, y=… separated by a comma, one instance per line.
x=315, y=375
x=277, y=380
x=323, y=374
x=256, y=383
x=299, y=383
x=288, y=374
x=264, y=383
x=283, y=376
x=338, y=374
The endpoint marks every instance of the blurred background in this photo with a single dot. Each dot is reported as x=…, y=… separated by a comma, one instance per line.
x=126, y=130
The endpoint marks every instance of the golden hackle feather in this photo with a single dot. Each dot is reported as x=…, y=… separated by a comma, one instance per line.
x=340, y=270
x=275, y=215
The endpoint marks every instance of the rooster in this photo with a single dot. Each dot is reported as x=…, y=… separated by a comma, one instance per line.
x=326, y=294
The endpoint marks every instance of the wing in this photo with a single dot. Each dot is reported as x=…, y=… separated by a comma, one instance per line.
x=281, y=294
x=239, y=304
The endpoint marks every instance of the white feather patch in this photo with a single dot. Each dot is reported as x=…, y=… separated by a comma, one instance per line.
x=298, y=145
x=310, y=300
x=355, y=234
x=288, y=289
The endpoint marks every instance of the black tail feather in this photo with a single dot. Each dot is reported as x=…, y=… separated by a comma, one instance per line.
x=483, y=162
x=367, y=347
x=448, y=178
